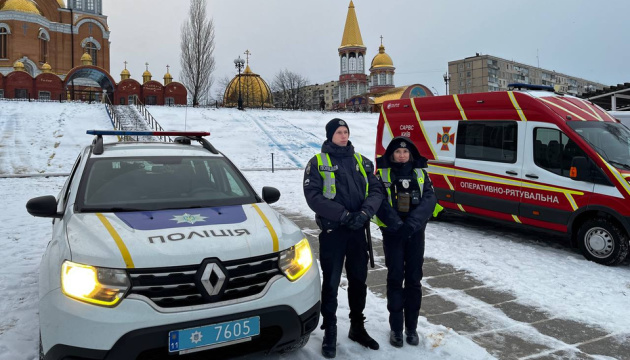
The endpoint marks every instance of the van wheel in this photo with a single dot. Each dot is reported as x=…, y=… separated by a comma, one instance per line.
x=603, y=242
x=300, y=343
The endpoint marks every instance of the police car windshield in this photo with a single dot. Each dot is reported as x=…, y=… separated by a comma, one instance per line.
x=610, y=140
x=159, y=183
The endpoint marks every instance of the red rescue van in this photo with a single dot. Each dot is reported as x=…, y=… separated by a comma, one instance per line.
x=529, y=156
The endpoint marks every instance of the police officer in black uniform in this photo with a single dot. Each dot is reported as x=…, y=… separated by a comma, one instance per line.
x=340, y=187
x=408, y=204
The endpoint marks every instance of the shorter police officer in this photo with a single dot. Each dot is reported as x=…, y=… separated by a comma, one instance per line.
x=403, y=216
x=340, y=187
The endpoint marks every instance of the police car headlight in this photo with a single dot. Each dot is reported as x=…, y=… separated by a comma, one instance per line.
x=296, y=260
x=100, y=286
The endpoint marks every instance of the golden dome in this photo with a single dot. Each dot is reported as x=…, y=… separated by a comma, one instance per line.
x=18, y=66
x=125, y=72
x=46, y=68
x=86, y=59
x=147, y=73
x=351, y=31
x=254, y=91
x=61, y=4
x=26, y=6
x=382, y=59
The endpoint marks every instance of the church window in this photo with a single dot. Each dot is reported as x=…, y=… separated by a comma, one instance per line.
x=352, y=63
x=360, y=65
x=90, y=4
x=353, y=89
x=382, y=79
x=344, y=64
x=78, y=4
x=389, y=78
x=1, y=93
x=44, y=38
x=44, y=95
x=91, y=49
x=4, y=41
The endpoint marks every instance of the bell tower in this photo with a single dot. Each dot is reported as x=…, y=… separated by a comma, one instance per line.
x=352, y=78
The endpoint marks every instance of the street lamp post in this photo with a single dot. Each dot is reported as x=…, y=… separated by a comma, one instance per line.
x=447, y=78
x=239, y=64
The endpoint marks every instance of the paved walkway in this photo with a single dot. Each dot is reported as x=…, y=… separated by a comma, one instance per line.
x=492, y=318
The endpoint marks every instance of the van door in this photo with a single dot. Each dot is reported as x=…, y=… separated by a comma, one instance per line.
x=549, y=195
x=488, y=162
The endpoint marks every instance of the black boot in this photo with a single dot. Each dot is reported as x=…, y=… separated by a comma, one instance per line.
x=396, y=338
x=412, y=337
x=357, y=333
x=329, y=345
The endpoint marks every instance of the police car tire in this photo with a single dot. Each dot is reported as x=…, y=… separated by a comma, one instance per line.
x=300, y=343
x=617, y=236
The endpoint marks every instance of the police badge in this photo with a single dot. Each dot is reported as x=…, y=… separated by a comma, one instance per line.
x=405, y=183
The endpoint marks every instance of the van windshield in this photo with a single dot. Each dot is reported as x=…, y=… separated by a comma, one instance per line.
x=160, y=183
x=610, y=140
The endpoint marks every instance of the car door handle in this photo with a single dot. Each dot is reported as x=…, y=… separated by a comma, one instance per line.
x=532, y=176
x=510, y=172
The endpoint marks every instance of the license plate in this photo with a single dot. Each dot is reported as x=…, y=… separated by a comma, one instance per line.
x=212, y=336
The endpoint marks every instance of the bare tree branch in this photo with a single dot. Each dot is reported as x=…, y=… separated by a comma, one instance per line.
x=289, y=87
x=197, y=52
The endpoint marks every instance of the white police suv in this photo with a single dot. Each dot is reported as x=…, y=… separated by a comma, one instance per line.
x=163, y=248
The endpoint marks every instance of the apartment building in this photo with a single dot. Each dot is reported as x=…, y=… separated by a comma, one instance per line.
x=482, y=73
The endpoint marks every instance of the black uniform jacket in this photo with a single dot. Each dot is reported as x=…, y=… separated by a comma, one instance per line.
x=419, y=214
x=350, y=195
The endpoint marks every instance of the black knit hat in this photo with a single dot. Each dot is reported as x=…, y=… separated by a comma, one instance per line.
x=333, y=125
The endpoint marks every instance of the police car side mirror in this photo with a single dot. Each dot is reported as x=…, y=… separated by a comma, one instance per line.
x=580, y=169
x=270, y=194
x=43, y=206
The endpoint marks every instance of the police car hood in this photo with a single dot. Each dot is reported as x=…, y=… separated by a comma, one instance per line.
x=149, y=239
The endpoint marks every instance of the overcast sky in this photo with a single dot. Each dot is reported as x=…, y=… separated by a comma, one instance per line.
x=582, y=38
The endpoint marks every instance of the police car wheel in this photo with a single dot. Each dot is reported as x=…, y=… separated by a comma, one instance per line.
x=603, y=242
x=300, y=343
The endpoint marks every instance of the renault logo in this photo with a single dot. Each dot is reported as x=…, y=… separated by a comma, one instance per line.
x=212, y=279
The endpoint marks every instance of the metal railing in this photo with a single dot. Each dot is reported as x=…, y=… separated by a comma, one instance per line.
x=112, y=114
x=153, y=124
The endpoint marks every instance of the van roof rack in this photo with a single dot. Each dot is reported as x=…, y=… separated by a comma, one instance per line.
x=184, y=137
x=521, y=86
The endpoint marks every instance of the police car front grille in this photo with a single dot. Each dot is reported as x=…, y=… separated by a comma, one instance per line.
x=178, y=287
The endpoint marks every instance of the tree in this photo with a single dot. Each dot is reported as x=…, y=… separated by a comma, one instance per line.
x=289, y=87
x=197, y=57
x=223, y=85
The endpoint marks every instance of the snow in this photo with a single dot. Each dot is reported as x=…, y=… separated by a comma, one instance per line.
x=44, y=138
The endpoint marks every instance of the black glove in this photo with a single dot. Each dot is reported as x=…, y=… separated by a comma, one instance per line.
x=404, y=232
x=347, y=218
x=358, y=220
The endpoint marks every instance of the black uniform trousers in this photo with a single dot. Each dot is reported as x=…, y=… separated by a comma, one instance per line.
x=404, y=259
x=334, y=246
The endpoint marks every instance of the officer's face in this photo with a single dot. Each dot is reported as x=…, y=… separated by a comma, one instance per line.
x=340, y=137
x=401, y=155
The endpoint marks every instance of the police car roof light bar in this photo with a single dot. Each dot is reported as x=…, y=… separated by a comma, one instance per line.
x=147, y=133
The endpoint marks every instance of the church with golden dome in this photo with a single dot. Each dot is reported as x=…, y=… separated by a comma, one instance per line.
x=50, y=50
x=358, y=91
x=251, y=87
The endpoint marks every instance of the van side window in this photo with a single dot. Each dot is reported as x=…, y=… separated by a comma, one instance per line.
x=487, y=141
x=554, y=151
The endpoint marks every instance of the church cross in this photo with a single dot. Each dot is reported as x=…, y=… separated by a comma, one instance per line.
x=147, y=64
x=167, y=68
x=247, y=53
x=125, y=64
x=381, y=39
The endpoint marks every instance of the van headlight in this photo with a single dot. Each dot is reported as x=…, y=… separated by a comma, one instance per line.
x=100, y=286
x=296, y=260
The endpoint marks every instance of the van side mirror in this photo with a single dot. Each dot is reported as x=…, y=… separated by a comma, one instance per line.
x=43, y=206
x=580, y=169
x=270, y=194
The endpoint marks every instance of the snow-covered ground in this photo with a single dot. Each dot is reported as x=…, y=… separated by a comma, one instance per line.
x=540, y=273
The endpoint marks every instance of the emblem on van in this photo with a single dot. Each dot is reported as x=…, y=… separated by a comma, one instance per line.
x=446, y=138
x=212, y=279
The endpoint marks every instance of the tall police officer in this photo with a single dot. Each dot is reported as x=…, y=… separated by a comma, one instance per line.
x=340, y=186
x=403, y=216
